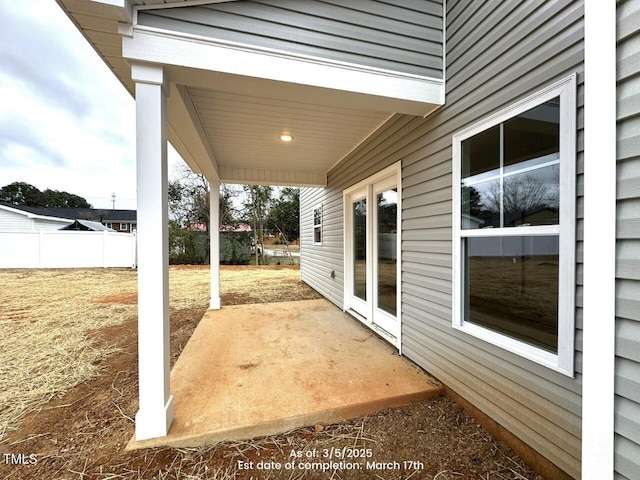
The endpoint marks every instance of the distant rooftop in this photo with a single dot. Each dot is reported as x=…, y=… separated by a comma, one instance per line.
x=92, y=214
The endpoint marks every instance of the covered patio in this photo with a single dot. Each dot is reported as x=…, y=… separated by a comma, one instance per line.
x=263, y=369
x=280, y=106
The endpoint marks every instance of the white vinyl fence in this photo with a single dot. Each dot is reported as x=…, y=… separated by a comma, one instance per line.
x=67, y=249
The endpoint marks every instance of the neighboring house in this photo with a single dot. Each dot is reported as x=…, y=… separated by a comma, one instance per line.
x=15, y=218
x=240, y=228
x=87, y=226
x=119, y=220
x=388, y=112
x=41, y=217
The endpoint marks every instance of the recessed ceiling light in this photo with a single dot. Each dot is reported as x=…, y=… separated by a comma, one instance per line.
x=286, y=137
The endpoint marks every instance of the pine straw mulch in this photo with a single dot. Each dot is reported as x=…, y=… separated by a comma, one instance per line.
x=69, y=378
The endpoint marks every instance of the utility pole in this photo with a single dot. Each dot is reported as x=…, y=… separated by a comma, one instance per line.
x=113, y=201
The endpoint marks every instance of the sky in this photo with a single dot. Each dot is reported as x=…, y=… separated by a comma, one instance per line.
x=66, y=122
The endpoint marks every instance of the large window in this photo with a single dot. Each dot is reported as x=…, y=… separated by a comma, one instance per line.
x=514, y=227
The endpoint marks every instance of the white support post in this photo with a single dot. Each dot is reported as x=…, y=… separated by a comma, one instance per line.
x=598, y=358
x=214, y=243
x=156, y=404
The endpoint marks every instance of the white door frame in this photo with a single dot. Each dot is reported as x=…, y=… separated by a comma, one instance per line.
x=355, y=306
x=355, y=303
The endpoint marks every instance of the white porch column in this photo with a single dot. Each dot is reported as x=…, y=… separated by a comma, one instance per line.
x=214, y=243
x=599, y=275
x=156, y=404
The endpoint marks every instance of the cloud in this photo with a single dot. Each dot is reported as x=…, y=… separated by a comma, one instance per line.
x=66, y=123
x=43, y=62
x=20, y=144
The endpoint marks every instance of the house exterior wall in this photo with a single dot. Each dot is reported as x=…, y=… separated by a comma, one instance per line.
x=497, y=53
x=11, y=221
x=406, y=37
x=627, y=366
x=124, y=226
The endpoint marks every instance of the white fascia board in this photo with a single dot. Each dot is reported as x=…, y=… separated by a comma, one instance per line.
x=180, y=3
x=51, y=219
x=35, y=216
x=125, y=5
x=114, y=3
x=397, y=92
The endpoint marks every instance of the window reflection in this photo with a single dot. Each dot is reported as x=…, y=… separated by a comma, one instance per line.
x=522, y=199
x=521, y=187
x=360, y=249
x=532, y=134
x=512, y=287
x=481, y=154
x=387, y=218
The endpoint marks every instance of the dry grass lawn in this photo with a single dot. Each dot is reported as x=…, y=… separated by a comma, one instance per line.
x=45, y=318
x=69, y=390
x=56, y=310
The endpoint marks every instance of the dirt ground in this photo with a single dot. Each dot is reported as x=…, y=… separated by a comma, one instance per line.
x=81, y=434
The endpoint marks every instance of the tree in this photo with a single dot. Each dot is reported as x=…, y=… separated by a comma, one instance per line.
x=55, y=198
x=258, y=199
x=189, y=215
x=229, y=194
x=21, y=193
x=284, y=214
x=471, y=201
x=188, y=197
x=521, y=193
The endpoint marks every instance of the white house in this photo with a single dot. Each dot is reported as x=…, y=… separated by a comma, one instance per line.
x=13, y=218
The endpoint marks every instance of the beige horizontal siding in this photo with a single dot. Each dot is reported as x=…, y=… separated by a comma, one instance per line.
x=498, y=52
x=403, y=37
x=627, y=382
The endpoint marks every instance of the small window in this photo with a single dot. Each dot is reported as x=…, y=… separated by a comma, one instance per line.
x=514, y=227
x=317, y=225
x=123, y=227
x=109, y=225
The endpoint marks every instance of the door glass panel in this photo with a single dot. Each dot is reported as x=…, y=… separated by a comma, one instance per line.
x=387, y=219
x=360, y=249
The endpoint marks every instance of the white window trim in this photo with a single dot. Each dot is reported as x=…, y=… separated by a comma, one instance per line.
x=563, y=361
x=318, y=225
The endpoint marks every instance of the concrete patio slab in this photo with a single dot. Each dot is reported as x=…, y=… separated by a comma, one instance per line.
x=256, y=370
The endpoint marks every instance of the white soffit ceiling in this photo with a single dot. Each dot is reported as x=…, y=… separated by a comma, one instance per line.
x=245, y=130
x=244, y=118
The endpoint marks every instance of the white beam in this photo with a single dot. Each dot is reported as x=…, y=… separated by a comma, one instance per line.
x=351, y=85
x=267, y=176
x=214, y=242
x=598, y=392
x=187, y=133
x=156, y=404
